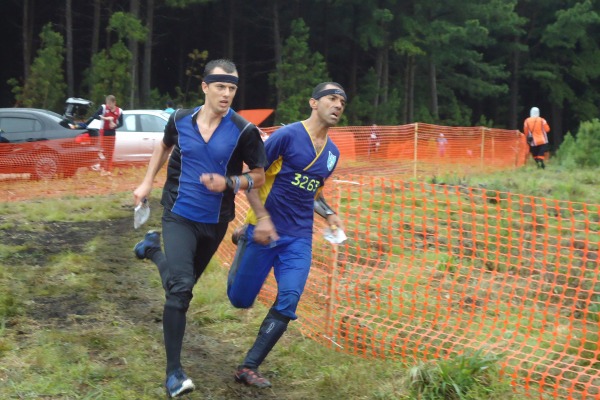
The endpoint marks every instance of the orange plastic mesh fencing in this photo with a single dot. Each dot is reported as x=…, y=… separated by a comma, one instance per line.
x=415, y=150
x=422, y=149
x=431, y=271
x=428, y=271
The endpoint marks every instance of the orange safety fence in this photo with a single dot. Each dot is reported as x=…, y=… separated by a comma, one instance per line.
x=430, y=271
x=419, y=149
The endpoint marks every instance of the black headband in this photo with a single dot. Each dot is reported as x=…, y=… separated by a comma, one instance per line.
x=327, y=92
x=211, y=78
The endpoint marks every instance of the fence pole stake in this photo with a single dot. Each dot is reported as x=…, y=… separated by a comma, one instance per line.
x=415, y=151
x=332, y=280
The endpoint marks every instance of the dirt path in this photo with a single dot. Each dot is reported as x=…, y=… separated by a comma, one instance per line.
x=211, y=357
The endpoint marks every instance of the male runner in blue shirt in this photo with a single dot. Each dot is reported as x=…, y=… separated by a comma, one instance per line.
x=301, y=156
x=208, y=146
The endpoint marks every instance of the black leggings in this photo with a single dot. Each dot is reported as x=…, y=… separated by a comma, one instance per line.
x=188, y=248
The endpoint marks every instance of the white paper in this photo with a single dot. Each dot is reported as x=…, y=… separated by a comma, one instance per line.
x=335, y=237
x=141, y=213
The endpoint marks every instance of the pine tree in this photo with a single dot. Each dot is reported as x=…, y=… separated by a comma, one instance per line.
x=298, y=73
x=45, y=88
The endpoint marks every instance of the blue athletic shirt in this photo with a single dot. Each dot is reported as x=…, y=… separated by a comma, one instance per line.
x=234, y=142
x=294, y=174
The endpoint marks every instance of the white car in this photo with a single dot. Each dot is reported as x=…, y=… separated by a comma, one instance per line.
x=141, y=131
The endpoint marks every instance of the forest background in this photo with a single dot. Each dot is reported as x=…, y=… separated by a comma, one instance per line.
x=457, y=62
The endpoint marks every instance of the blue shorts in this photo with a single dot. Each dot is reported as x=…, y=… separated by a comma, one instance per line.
x=290, y=258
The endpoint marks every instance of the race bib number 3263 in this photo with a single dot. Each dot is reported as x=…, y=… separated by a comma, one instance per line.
x=306, y=183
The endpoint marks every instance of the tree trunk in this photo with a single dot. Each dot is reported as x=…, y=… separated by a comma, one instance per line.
x=95, y=29
x=513, y=113
x=277, y=45
x=27, y=32
x=147, y=65
x=385, y=75
x=134, y=9
x=69, y=49
x=243, y=70
x=435, y=112
x=409, y=90
x=378, y=73
x=556, y=127
x=229, y=51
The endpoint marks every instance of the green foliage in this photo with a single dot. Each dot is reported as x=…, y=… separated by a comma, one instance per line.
x=564, y=54
x=186, y=3
x=582, y=150
x=109, y=73
x=298, y=73
x=458, y=378
x=365, y=112
x=191, y=94
x=45, y=87
x=127, y=26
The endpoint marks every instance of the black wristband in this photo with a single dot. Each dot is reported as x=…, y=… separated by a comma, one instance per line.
x=229, y=183
x=250, y=182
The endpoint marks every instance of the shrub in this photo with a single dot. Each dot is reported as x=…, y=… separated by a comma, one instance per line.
x=581, y=150
x=458, y=378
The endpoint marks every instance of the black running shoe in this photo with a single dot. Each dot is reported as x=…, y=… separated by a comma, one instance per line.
x=151, y=241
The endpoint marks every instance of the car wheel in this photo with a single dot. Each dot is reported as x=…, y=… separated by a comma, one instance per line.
x=69, y=172
x=45, y=166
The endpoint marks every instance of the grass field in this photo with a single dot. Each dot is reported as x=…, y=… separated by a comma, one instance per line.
x=80, y=317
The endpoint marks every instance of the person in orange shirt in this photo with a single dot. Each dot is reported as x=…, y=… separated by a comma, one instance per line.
x=536, y=130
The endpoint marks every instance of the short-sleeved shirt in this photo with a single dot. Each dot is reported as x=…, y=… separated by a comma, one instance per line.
x=234, y=142
x=295, y=172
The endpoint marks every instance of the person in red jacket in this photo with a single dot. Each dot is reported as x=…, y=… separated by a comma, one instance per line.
x=112, y=117
x=536, y=130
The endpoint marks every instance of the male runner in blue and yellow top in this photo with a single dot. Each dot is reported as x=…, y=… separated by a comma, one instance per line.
x=300, y=157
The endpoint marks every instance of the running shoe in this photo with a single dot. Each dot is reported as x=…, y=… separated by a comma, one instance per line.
x=178, y=384
x=251, y=377
x=151, y=241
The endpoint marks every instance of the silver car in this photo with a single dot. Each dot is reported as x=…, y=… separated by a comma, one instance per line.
x=141, y=131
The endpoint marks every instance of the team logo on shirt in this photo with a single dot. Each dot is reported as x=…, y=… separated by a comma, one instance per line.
x=331, y=159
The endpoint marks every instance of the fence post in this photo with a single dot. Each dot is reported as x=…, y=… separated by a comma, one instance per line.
x=332, y=279
x=415, y=151
x=482, y=151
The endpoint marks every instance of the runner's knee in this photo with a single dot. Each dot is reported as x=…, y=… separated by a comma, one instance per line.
x=239, y=301
x=179, y=300
x=179, y=294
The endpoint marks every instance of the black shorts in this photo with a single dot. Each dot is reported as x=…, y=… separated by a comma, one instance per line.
x=189, y=245
x=538, y=151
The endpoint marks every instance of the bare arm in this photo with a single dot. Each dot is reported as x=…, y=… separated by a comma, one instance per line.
x=158, y=159
x=265, y=231
x=219, y=183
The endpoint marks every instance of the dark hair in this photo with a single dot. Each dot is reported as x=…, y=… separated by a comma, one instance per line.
x=322, y=85
x=170, y=104
x=227, y=66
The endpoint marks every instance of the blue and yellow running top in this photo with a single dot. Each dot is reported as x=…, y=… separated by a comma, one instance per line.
x=295, y=172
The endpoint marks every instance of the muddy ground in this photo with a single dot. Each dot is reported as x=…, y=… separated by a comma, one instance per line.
x=209, y=358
